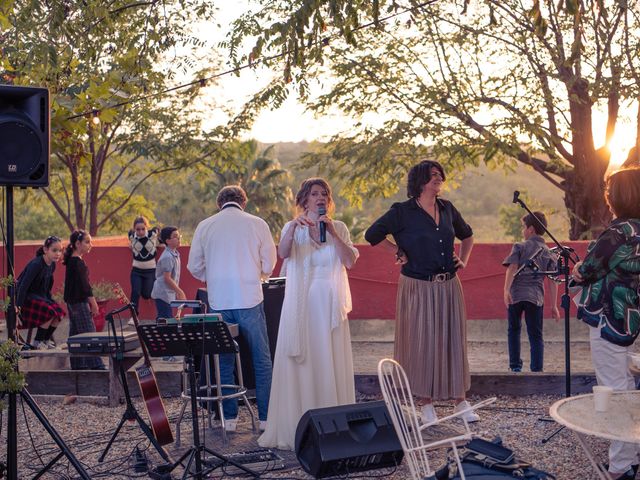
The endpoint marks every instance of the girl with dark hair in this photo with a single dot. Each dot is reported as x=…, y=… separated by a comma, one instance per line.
x=34, y=303
x=431, y=338
x=79, y=297
x=166, y=289
x=143, y=242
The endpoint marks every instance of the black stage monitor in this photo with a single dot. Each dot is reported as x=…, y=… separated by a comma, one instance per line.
x=346, y=439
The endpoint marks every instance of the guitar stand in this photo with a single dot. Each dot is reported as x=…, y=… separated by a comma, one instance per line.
x=189, y=340
x=130, y=412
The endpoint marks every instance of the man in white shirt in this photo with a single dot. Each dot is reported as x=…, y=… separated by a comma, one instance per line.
x=232, y=251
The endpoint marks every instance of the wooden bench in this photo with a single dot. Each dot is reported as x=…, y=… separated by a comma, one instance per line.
x=115, y=392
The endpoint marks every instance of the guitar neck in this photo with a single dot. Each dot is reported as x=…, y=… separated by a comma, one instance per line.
x=145, y=352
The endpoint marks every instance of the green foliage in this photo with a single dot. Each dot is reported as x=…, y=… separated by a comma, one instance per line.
x=239, y=163
x=492, y=84
x=93, y=55
x=11, y=379
x=104, y=290
x=510, y=215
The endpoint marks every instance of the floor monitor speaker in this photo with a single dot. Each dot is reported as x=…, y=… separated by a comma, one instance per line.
x=346, y=439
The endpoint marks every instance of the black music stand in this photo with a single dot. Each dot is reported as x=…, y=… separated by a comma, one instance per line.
x=190, y=339
x=130, y=412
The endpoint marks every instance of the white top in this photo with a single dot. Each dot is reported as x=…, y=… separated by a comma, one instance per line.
x=620, y=422
x=232, y=251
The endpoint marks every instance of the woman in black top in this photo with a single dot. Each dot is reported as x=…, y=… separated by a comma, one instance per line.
x=430, y=338
x=35, y=305
x=78, y=294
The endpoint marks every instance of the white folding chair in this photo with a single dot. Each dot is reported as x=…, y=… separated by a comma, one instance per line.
x=399, y=400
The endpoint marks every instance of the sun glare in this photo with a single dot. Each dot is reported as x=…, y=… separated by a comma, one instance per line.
x=621, y=143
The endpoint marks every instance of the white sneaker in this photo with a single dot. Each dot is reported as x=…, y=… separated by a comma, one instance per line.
x=51, y=345
x=40, y=345
x=429, y=413
x=471, y=416
x=230, y=424
x=131, y=322
x=263, y=425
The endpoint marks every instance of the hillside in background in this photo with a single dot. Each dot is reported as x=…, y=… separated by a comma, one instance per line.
x=186, y=197
x=477, y=192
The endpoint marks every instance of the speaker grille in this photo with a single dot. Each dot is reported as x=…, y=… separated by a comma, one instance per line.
x=20, y=149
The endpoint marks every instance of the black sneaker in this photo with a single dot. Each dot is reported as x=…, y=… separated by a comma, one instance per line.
x=517, y=369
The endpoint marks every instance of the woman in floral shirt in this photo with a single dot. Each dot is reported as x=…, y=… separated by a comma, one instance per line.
x=610, y=275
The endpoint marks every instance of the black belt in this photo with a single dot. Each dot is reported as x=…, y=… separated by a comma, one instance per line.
x=439, y=277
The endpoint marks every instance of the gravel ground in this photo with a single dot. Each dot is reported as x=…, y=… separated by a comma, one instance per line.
x=87, y=427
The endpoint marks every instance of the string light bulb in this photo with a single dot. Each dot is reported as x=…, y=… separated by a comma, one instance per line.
x=95, y=119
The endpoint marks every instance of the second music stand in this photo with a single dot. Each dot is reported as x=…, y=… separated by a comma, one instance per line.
x=190, y=339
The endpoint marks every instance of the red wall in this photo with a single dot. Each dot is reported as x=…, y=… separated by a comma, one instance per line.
x=373, y=279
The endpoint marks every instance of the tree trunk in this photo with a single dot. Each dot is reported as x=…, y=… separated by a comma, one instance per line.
x=584, y=193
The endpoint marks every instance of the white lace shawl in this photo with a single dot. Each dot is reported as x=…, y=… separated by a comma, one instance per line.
x=297, y=268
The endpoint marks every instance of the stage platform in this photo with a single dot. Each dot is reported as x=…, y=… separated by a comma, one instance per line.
x=371, y=341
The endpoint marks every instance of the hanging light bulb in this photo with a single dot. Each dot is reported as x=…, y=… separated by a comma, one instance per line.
x=95, y=119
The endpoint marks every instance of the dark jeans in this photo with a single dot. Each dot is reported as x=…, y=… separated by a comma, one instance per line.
x=253, y=327
x=533, y=319
x=163, y=309
x=141, y=284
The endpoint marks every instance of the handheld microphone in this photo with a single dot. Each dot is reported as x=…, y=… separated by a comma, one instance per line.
x=323, y=226
x=516, y=194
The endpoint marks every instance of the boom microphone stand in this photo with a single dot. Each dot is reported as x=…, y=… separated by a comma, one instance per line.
x=12, y=424
x=566, y=255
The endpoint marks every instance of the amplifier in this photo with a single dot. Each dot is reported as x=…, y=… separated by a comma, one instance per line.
x=102, y=342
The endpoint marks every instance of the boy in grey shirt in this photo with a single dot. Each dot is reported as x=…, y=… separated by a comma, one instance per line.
x=524, y=293
x=165, y=288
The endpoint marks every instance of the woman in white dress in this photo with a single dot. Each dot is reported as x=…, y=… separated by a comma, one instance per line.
x=313, y=366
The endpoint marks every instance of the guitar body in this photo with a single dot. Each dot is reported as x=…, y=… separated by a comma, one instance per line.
x=149, y=385
x=154, y=406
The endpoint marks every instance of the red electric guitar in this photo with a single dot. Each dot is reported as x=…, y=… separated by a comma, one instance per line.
x=149, y=387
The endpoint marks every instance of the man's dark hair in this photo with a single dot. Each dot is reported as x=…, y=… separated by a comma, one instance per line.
x=232, y=193
x=530, y=220
x=419, y=175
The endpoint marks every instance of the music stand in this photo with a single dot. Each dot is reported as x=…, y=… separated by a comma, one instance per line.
x=190, y=339
x=130, y=412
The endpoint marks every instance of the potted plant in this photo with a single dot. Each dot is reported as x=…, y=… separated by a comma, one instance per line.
x=103, y=292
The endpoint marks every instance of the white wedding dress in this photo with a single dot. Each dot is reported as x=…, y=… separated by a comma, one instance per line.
x=313, y=366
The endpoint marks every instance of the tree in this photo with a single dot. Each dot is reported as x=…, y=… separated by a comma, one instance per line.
x=239, y=163
x=262, y=177
x=494, y=81
x=92, y=55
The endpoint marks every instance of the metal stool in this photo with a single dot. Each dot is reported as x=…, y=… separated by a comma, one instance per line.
x=213, y=392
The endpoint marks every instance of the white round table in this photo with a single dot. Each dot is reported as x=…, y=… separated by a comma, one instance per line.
x=620, y=422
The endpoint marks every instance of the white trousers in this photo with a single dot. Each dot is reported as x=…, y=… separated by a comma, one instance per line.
x=611, y=364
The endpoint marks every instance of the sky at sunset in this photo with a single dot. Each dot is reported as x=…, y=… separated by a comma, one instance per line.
x=290, y=123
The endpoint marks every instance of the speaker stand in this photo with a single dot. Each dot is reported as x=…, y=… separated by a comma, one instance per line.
x=12, y=423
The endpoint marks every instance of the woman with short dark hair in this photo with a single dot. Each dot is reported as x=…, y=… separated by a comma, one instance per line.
x=610, y=305
x=430, y=338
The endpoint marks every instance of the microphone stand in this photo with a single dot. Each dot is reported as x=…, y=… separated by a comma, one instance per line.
x=566, y=255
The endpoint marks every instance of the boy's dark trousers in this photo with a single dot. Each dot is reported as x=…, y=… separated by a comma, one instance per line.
x=533, y=319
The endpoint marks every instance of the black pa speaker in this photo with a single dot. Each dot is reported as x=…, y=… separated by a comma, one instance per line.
x=24, y=136
x=345, y=439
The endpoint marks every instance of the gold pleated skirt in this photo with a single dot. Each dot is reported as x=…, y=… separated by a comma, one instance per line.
x=431, y=337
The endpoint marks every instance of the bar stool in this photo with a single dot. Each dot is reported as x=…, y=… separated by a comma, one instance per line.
x=213, y=392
